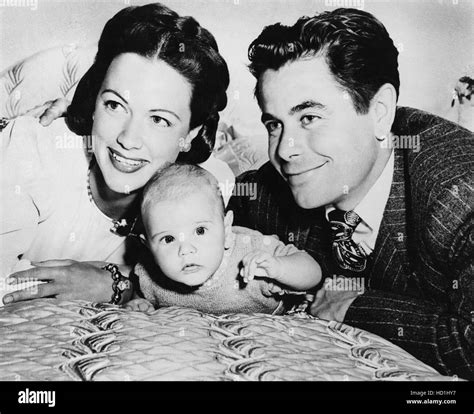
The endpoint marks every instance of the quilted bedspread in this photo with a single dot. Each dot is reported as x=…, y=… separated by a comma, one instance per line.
x=47, y=339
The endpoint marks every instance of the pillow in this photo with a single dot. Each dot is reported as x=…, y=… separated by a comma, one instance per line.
x=240, y=155
x=240, y=152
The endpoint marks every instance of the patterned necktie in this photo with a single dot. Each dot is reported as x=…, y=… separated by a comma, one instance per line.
x=346, y=252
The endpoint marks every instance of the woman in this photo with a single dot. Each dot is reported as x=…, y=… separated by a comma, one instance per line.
x=152, y=95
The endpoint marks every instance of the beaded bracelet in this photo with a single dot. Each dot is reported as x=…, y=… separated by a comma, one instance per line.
x=120, y=284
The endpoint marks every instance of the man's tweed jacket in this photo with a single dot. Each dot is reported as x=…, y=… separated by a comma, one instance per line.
x=419, y=283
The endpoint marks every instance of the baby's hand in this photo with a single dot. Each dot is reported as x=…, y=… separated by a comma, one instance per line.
x=260, y=264
x=140, y=305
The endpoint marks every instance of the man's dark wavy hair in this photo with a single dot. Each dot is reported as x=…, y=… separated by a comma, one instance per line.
x=356, y=46
x=156, y=32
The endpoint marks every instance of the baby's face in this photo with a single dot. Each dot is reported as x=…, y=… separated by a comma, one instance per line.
x=186, y=237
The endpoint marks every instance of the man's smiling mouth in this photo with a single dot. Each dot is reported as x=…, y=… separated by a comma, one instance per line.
x=303, y=173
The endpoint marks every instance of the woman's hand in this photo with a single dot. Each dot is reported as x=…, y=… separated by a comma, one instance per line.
x=66, y=279
x=50, y=110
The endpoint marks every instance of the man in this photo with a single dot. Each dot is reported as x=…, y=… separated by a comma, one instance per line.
x=399, y=219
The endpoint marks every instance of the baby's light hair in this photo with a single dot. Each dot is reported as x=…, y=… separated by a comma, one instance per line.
x=174, y=181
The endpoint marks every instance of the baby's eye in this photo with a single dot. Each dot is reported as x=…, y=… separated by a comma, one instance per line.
x=201, y=230
x=167, y=239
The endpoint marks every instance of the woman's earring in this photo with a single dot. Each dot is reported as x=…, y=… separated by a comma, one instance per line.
x=382, y=138
x=185, y=147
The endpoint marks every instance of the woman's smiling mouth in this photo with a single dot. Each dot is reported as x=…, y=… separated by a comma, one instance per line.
x=124, y=164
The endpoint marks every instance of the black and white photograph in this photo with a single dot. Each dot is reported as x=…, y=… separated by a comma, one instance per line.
x=274, y=192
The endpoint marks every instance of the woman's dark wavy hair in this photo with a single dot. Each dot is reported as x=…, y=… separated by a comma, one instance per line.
x=155, y=31
x=356, y=46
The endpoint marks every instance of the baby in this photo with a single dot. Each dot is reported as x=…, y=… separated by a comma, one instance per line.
x=197, y=259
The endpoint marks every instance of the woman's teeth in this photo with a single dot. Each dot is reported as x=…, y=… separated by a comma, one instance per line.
x=126, y=161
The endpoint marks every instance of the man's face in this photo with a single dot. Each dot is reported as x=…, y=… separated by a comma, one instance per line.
x=317, y=141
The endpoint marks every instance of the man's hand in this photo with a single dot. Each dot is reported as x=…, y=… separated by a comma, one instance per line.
x=66, y=279
x=260, y=264
x=50, y=110
x=332, y=305
x=270, y=289
x=139, y=305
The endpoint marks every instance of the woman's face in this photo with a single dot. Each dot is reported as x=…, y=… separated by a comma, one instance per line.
x=141, y=120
